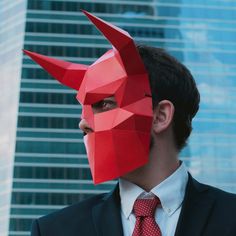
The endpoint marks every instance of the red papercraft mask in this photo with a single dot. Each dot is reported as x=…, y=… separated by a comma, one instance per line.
x=120, y=139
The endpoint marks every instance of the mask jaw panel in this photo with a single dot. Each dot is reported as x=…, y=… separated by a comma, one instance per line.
x=114, y=162
x=105, y=166
x=67, y=73
x=122, y=42
x=129, y=150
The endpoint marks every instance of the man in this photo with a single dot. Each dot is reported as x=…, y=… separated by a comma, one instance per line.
x=138, y=104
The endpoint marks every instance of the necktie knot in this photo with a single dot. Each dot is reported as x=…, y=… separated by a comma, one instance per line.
x=145, y=207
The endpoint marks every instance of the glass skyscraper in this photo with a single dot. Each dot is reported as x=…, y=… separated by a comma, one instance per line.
x=12, y=24
x=42, y=156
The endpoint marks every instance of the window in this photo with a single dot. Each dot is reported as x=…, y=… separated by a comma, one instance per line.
x=48, y=122
x=51, y=172
x=48, y=98
x=48, y=198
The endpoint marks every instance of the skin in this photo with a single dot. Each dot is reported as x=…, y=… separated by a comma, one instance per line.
x=163, y=157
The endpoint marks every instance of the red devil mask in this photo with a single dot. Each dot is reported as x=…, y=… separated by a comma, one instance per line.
x=120, y=138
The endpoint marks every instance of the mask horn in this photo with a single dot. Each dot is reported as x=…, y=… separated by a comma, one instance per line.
x=122, y=42
x=67, y=73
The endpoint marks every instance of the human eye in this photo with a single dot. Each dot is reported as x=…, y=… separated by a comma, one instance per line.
x=104, y=105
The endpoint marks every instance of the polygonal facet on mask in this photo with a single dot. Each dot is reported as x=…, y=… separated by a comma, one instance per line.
x=120, y=138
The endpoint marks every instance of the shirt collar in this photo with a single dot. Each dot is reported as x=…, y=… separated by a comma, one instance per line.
x=170, y=192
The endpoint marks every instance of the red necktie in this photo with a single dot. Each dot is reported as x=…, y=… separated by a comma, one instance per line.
x=144, y=210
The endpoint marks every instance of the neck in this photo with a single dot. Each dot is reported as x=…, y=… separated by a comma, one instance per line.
x=163, y=161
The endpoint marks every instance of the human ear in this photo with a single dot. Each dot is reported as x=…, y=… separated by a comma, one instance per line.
x=163, y=115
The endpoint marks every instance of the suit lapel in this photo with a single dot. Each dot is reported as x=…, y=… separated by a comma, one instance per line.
x=106, y=216
x=196, y=209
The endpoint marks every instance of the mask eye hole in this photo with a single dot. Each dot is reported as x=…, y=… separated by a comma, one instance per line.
x=104, y=105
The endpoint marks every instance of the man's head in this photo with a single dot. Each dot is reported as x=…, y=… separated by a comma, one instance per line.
x=117, y=102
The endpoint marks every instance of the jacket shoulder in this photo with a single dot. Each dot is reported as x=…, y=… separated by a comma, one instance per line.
x=83, y=207
x=69, y=220
x=224, y=202
x=219, y=194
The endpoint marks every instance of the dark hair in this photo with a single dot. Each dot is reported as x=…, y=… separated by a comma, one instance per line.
x=171, y=80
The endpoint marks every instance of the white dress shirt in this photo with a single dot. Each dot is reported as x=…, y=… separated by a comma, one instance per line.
x=171, y=194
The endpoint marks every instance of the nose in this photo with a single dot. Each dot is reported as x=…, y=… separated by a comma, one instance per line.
x=84, y=126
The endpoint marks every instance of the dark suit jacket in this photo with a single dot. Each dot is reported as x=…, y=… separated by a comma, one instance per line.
x=206, y=211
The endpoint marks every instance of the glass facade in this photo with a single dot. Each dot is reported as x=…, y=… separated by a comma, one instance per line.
x=50, y=167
